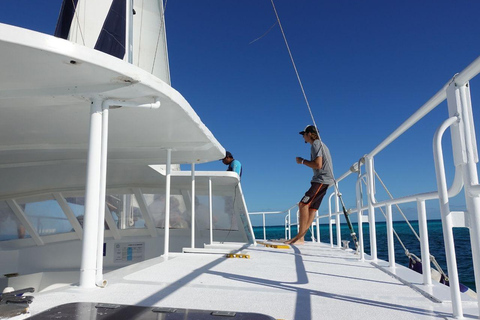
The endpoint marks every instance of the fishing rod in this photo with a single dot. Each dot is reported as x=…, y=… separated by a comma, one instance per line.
x=339, y=195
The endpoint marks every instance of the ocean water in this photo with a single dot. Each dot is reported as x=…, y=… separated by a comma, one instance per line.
x=435, y=236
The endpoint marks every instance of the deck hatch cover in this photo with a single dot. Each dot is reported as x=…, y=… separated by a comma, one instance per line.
x=95, y=311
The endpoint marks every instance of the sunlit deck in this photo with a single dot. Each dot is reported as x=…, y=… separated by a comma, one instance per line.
x=312, y=281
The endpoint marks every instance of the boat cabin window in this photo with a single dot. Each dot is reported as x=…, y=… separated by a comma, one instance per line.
x=10, y=227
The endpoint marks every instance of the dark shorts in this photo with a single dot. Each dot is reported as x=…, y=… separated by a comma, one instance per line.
x=314, y=196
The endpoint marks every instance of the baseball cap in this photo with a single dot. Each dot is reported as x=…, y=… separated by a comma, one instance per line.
x=308, y=129
x=227, y=155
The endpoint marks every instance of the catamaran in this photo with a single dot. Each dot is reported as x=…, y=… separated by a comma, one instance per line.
x=97, y=221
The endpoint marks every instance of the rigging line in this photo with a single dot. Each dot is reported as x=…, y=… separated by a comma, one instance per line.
x=78, y=21
x=400, y=210
x=162, y=25
x=294, y=65
x=339, y=195
x=140, y=36
x=263, y=35
x=303, y=90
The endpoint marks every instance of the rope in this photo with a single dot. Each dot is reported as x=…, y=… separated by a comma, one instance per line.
x=407, y=253
x=350, y=226
x=400, y=210
x=78, y=22
x=294, y=66
x=162, y=19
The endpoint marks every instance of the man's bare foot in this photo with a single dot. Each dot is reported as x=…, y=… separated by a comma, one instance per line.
x=295, y=241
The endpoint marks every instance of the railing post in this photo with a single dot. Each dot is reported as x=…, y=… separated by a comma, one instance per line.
x=371, y=210
x=264, y=229
x=470, y=176
x=337, y=221
x=330, y=219
x=424, y=246
x=391, y=246
x=193, y=205
x=289, y=224
x=447, y=223
x=360, y=217
x=210, y=207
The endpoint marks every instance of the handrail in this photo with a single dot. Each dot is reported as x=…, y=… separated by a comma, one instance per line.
x=464, y=149
x=472, y=70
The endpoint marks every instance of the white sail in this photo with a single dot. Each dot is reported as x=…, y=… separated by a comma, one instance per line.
x=149, y=43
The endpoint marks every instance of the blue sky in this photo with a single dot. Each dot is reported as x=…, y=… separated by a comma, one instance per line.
x=366, y=67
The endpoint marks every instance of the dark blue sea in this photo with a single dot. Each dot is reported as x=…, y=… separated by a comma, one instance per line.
x=435, y=236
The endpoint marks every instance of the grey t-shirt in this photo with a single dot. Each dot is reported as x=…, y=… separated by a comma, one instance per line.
x=324, y=175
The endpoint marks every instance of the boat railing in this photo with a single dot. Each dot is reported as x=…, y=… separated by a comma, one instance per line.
x=287, y=220
x=460, y=121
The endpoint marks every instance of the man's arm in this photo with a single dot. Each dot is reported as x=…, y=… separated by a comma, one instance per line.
x=315, y=164
x=236, y=166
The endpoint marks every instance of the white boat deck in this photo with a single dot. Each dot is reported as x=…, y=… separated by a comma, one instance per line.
x=311, y=281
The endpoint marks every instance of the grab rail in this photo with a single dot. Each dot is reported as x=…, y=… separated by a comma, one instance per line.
x=464, y=149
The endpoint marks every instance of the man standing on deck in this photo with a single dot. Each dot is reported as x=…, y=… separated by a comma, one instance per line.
x=321, y=163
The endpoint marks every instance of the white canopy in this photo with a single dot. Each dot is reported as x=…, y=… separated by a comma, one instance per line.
x=46, y=90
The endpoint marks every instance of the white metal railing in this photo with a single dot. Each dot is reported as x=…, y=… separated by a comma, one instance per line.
x=464, y=150
x=287, y=219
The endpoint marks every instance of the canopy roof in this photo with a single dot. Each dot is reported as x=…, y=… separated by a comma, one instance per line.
x=46, y=90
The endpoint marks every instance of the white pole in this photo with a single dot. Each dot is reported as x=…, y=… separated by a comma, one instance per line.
x=371, y=209
x=360, y=218
x=264, y=230
x=289, y=225
x=193, y=205
x=424, y=245
x=330, y=219
x=471, y=179
x=447, y=223
x=210, y=206
x=101, y=206
x=90, y=221
x=318, y=227
x=167, y=203
x=391, y=247
x=337, y=222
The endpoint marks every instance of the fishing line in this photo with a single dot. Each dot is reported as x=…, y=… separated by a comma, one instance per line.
x=345, y=212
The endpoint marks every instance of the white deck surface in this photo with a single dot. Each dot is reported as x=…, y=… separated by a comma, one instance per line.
x=312, y=281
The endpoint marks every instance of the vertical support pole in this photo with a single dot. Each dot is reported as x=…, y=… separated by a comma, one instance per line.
x=168, y=177
x=391, y=247
x=371, y=209
x=264, y=229
x=424, y=245
x=360, y=218
x=129, y=31
x=337, y=222
x=330, y=230
x=470, y=176
x=289, y=224
x=101, y=206
x=90, y=222
x=193, y=205
x=318, y=227
x=210, y=207
x=447, y=223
